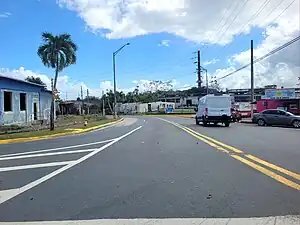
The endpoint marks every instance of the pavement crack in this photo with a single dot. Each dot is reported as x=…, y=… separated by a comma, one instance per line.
x=228, y=221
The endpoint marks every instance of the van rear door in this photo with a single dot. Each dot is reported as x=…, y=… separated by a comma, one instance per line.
x=218, y=106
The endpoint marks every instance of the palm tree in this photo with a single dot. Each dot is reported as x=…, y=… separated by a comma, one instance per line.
x=57, y=52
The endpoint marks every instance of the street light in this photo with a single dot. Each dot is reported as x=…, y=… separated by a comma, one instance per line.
x=114, y=71
x=206, y=79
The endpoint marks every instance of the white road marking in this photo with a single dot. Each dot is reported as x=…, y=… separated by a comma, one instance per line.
x=278, y=220
x=47, y=154
x=8, y=192
x=62, y=169
x=56, y=149
x=33, y=166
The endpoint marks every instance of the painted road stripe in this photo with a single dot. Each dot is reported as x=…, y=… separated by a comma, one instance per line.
x=47, y=154
x=278, y=220
x=56, y=149
x=263, y=170
x=62, y=169
x=33, y=166
x=282, y=170
x=267, y=172
x=206, y=137
x=263, y=162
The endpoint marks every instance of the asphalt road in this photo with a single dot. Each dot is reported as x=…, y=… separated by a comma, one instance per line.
x=149, y=167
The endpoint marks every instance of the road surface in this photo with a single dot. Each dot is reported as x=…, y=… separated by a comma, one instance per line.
x=155, y=167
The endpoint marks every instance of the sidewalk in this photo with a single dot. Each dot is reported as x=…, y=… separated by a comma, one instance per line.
x=39, y=135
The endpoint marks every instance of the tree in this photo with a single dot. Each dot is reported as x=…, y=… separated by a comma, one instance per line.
x=57, y=52
x=35, y=80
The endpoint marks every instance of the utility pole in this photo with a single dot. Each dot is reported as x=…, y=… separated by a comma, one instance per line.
x=88, y=101
x=52, y=107
x=199, y=69
x=103, y=104
x=66, y=96
x=81, y=101
x=252, y=79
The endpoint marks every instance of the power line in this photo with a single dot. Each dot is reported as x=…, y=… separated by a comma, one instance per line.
x=219, y=25
x=278, y=4
x=254, y=16
x=243, y=6
x=286, y=8
x=261, y=8
x=263, y=57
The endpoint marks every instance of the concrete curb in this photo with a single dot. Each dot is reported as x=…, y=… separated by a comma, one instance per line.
x=18, y=140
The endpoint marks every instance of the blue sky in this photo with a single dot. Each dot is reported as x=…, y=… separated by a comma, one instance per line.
x=145, y=58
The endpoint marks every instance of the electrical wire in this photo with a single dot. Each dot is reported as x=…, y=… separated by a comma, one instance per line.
x=263, y=57
x=222, y=35
x=286, y=8
x=249, y=21
x=257, y=14
x=279, y=3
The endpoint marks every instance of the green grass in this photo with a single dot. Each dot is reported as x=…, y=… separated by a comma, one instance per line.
x=56, y=130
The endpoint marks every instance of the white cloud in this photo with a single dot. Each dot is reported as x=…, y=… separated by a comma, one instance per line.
x=282, y=68
x=65, y=85
x=165, y=43
x=5, y=14
x=71, y=89
x=210, y=62
x=219, y=22
x=122, y=19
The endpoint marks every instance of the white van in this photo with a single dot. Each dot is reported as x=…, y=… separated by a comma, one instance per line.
x=214, y=109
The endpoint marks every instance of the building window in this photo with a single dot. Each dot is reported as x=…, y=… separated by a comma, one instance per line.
x=22, y=102
x=7, y=101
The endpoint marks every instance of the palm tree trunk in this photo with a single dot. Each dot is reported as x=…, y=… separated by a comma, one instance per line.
x=53, y=99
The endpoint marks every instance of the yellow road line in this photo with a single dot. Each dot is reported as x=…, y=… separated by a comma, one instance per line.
x=282, y=170
x=206, y=141
x=217, y=142
x=212, y=142
x=269, y=173
x=263, y=162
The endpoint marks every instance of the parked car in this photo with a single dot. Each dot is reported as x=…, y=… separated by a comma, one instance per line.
x=276, y=117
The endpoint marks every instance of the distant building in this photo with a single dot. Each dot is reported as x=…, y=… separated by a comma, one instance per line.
x=132, y=108
x=23, y=102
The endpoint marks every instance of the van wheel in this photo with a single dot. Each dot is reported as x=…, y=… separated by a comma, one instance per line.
x=261, y=122
x=226, y=124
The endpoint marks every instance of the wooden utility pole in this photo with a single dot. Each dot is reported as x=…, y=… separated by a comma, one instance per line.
x=252, y=79
x=199, y=69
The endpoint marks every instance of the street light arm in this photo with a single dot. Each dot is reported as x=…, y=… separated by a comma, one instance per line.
x=116, y=52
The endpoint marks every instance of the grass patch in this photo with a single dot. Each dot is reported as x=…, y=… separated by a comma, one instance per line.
x=56, y=131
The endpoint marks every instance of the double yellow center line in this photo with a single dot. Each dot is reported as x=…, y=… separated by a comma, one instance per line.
x=256, y=163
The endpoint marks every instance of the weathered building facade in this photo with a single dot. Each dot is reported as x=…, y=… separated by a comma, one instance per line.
x=23, y=102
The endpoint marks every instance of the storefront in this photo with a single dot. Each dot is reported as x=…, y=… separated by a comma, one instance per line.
x=280, y=99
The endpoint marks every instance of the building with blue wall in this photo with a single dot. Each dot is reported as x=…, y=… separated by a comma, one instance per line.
x=23, y=102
